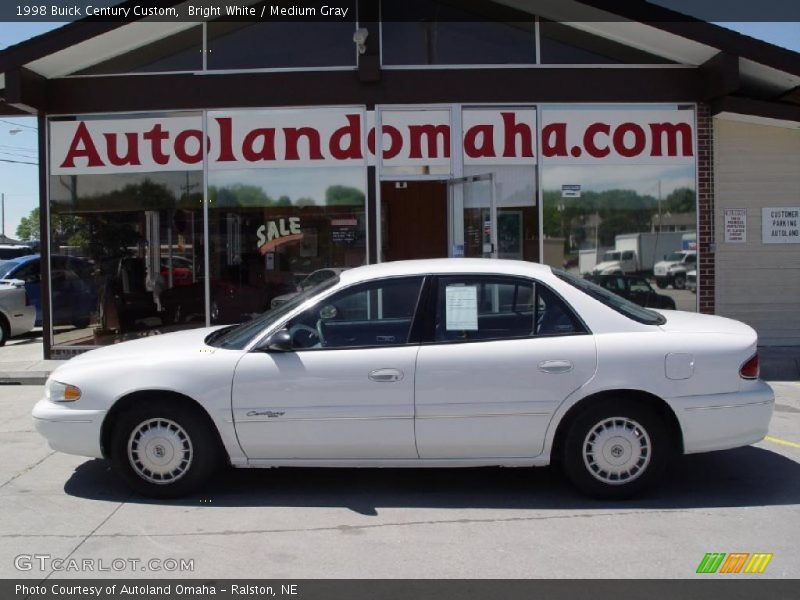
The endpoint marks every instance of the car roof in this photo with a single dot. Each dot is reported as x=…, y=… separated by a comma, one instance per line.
x=444, y=266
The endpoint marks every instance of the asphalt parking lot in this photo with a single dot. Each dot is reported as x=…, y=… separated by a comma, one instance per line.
x=471, y=523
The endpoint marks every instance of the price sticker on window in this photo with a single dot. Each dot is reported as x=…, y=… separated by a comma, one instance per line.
x=461, y=308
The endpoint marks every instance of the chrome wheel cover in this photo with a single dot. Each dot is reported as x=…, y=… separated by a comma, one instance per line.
x=617, y=450
x=160, y=451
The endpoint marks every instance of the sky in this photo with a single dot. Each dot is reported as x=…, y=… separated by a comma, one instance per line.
x=19, y=181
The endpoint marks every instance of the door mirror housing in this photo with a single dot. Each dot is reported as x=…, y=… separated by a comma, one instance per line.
x=279, y=341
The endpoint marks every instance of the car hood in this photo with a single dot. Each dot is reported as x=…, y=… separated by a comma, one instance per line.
x=666, y=263
x=605, y=265
x=689, y=322
x=154, y=347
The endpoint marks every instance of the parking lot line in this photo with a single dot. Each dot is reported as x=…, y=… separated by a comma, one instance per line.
x=775, y=440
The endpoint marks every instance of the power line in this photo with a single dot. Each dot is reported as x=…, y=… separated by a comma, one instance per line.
x=20, y=162
x=18, y=124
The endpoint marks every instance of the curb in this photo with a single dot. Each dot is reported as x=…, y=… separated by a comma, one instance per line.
x=24, y=377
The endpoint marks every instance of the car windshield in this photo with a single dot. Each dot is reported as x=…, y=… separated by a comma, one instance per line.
x=618, y=303
x=236, y=337
x=675, y=256
x=608, y=256
x=7, y=266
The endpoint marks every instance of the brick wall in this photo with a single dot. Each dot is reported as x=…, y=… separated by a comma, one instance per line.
x=705, y=210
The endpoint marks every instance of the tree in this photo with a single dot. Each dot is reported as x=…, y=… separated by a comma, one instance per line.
x=343, y=195
x=67, y=229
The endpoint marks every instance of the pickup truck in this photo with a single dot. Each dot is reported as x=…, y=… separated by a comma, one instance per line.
x=17, y=312
x=674, y=269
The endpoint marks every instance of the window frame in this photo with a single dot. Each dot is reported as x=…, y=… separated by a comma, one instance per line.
x=430, y=313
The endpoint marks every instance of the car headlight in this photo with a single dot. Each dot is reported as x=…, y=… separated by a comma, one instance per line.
x=55, y=391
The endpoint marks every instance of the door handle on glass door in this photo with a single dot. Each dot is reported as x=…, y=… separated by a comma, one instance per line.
x=555, y=366
x=386, y=375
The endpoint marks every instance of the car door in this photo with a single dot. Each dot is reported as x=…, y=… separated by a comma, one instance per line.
x=502, y=355
x=346, y=389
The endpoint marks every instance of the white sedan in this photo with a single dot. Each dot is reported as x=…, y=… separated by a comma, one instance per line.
x=437, y=363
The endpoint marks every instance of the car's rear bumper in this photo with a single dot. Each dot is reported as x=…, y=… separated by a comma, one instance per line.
x=722, y=421
x=68, y=429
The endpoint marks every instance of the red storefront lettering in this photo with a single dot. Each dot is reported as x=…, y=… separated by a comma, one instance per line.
x=82, y=146
x=554, y=140
x=155, y=136
x=131, y=155
x=639, y=140
x=180, y=146
x=589, y=139
x=486, y=149
x=353, y=130
x=225, y=139
x=512, y=129
x=395, y=141
x=671, y=131
x=293, y=135
x=431, y=133
x=267, y=150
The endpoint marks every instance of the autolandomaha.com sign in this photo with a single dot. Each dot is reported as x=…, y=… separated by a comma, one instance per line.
x=341, y=136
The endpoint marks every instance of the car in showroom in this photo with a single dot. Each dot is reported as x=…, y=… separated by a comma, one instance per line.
x=72, y=285
x=634, y=288
x=431, y=363
x=17, y=312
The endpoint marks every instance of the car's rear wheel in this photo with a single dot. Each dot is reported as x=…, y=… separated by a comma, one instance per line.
x=616, y=448
x=679, y=282
x=165, y=450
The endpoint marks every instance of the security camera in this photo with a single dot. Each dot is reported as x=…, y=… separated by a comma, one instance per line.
x=360, y=39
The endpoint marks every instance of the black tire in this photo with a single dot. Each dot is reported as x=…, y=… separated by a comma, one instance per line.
x=5, y=331
x=81, y=323
x=205, y=454
x=679, y=283
x=662, y=285
x=644, y=467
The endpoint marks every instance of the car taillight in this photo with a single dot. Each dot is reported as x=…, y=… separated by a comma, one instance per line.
x=750, y=369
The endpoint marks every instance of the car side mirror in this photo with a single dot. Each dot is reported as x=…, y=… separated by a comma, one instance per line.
x=280, y=341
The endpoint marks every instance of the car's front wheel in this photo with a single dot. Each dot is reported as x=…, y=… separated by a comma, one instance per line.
x=679, y=282
x=165, y=449
x=616, y=448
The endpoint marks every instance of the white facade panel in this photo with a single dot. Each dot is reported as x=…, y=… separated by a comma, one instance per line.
x=757, y=167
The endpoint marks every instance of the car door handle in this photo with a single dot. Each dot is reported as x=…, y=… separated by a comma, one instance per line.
x=386, y=375
x=556, y=366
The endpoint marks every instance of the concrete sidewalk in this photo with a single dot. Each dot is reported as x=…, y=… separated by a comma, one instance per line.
x=21, y=361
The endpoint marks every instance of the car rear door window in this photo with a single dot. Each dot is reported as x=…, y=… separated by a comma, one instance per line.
x=481, y=308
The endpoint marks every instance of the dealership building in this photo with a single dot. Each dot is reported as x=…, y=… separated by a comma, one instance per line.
x=196, y=173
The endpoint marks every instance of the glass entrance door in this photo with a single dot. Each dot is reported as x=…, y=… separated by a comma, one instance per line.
x=473, y=216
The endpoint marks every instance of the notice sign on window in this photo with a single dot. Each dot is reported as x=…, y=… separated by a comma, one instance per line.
x=461, y=308
x=571, y=191
x=735, y=225
x=780, y=225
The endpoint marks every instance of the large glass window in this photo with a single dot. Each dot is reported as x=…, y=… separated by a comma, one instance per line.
x=619, y=195
x=123, y=248
x=272, y=229
x=455, y=34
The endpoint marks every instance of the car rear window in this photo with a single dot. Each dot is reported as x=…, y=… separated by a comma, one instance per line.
x=618, y=303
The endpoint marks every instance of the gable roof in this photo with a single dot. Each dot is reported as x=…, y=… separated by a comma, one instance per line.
x=766, y=72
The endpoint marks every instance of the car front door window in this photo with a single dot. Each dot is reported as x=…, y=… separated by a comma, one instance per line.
x=368, y=315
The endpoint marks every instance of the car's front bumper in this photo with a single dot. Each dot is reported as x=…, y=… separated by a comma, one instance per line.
x=722, y=421
x=68, y=429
